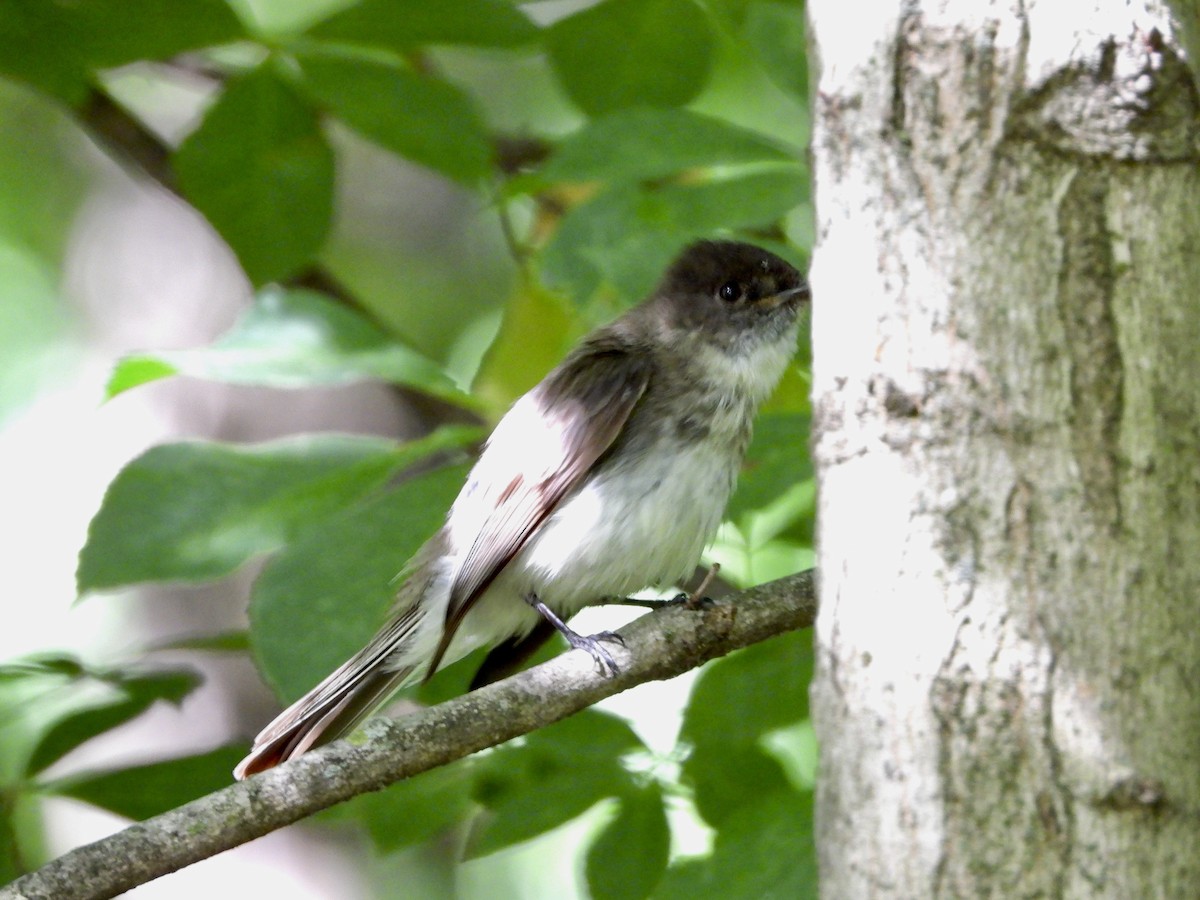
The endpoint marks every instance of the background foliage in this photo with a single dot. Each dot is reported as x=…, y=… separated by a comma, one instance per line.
x=593, y=141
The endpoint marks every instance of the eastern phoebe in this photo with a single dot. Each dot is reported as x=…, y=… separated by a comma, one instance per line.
x=609, y=476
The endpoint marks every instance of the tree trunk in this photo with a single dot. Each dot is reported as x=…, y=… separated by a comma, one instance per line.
x=1007, y=397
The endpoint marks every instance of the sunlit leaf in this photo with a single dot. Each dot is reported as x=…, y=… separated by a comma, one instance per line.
x=199, y=510
x=129, y=698
x=293, y=338
x=534, y=336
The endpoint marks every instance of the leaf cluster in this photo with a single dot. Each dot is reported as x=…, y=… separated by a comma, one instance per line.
x=653, y=136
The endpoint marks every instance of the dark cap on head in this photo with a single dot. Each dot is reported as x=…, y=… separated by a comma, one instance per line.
x=731, y=270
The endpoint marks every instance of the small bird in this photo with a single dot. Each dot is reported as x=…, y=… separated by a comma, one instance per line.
x=608, y=477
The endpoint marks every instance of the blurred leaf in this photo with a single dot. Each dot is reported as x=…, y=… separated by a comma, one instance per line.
x=795, y=749
x=422, y=118
x=793, y=505
x=629, y=856
x=199, y=510
x=404, y=25
x=415, y=809
x=557, y=773
x=775, y=31
x=223, y=642
x=764, y=852
x=625, y=236
x=122, y=31
x=133, y=371
x=131, y=696
x=294, y=338
x=38, y=45
x=140, y=792
x=42, y=665
x=740, y=697
x=724, y=780
x=776, y=461
x=641, y=144
x=623, y=53
x=53, y=46
x=11, y=862
x=326, y=594
x=261, y=172
x=534, y=337
x=733, y=704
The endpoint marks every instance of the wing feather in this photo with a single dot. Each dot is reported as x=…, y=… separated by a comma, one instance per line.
x=556, y=433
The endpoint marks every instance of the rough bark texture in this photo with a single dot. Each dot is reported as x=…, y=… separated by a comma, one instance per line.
x=1007, y=391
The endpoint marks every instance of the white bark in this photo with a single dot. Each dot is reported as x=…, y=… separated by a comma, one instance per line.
x=1007, y=395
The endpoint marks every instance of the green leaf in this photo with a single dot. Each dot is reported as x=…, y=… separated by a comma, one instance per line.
x=739, y=698
x=557, y=773
x=134, y=371
x=327, y=593
x=629, y=856
x=122, y=31
x=536, y=332
x=776, y=461
x=43, y=665
x=130, y=697
x=222, y=642
x=775, y=31
x=404, y=25
x=623, y=53
x=199, y=510
x=422, y=118
x=294, y=338
x=625, y=236
x=416, y=809
x=641, y=144
x=260, y=170
x=140, y=792
x=764, y=852
x=723, y=780
x=38, y=46
x=54, y=46
x=734, y=703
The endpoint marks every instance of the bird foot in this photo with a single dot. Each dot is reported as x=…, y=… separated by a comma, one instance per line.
x=593, y=646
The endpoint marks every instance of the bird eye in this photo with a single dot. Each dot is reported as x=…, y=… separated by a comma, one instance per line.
x=730, y=291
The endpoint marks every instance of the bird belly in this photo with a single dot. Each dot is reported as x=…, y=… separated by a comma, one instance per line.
x=633, y=526
x=625, y=529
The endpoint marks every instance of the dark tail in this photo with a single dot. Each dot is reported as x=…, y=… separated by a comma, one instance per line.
x=336, y=705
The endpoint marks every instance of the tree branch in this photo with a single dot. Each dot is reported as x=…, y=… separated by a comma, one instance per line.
x=661, y=645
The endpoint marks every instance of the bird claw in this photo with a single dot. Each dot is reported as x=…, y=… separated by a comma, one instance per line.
x=592, y=646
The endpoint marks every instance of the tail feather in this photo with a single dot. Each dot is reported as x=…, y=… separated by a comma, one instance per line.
x=336, y=705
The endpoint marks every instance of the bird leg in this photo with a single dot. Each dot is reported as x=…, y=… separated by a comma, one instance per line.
x=694, y=600
x=604, y=659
